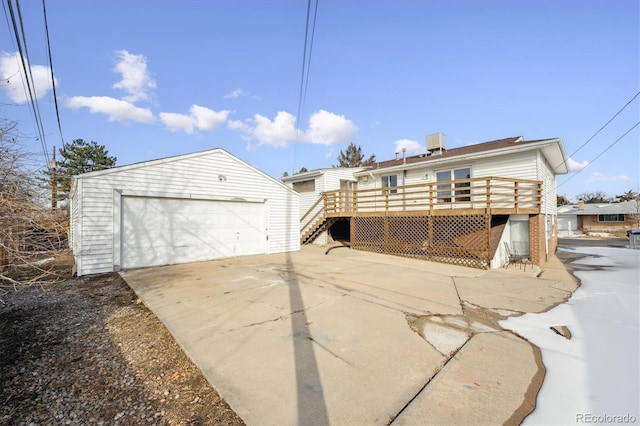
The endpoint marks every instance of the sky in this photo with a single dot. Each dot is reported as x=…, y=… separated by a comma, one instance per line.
x=153, y=79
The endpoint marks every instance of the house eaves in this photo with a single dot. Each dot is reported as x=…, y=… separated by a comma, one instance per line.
x=552, y=150
x=626, y=207
x=316, y=173
x=166, y=160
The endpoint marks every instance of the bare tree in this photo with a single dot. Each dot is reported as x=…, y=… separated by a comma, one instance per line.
x=636, y=210
x=594, y=197
x=29, y=231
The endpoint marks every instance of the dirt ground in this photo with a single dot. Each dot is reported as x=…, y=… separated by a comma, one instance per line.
x=86, y=351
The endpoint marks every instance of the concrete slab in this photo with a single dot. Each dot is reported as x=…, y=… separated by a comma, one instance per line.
x=501, y=290
x=492, y=377
x=344, y=338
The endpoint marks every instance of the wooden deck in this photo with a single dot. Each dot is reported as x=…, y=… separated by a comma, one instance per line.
x=487, y=195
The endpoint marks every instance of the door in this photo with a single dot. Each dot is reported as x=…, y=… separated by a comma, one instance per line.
x=166, y=231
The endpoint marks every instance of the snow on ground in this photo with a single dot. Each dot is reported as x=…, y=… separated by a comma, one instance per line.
x=593, y=377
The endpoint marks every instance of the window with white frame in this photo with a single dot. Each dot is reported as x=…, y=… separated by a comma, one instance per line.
x=390, y=181
x=305, y=186
x=461, y=189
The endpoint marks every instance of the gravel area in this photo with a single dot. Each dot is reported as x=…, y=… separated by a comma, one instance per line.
x=86, y=351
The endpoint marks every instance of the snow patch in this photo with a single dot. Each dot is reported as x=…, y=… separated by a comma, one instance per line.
x=597, y=370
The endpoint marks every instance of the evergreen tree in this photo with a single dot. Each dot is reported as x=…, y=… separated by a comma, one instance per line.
x=630, y=195
x=353, y=157
x=78, y=157
x=562, y=200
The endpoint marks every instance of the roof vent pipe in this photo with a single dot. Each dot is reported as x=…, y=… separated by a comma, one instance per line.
x=397, y=155
x=404, y=158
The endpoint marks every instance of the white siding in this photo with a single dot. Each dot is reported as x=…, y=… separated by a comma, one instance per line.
x=548, y=178
x=516, y=166
x=329, y=180
x=194, y=175
x=332, y=177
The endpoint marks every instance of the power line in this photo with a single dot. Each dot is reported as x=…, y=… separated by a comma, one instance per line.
x=599, y=130
x=304, y=76
x=53, y=80
x=313, y=34
x=599, y=155
x=28, y=77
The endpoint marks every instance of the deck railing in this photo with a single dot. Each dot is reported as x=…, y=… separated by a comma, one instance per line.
x=491, y=195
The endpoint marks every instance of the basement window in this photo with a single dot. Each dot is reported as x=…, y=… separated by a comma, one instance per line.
x=611, y=218
x=305, y=186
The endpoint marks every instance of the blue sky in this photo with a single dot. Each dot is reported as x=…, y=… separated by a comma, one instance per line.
x=151, y=79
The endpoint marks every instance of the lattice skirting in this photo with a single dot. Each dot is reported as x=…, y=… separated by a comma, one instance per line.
x=459, y=240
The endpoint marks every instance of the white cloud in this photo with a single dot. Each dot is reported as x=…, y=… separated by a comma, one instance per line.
x=411, y=146
x=276, y=133
x=115, y=109
x=575, y=166
x=239, y=125
x=14, y=82
x=208, y=119
x=327, y=128
x=236, y=94
x=199, y=117
x=176, y=122
x=136, y=80
x=600, y=177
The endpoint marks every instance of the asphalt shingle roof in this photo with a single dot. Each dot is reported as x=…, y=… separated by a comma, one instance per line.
x=454, y=152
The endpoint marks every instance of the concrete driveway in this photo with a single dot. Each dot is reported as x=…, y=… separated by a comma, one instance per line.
x=356, y=338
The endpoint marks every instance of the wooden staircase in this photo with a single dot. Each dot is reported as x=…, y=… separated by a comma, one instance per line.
x=318, y=226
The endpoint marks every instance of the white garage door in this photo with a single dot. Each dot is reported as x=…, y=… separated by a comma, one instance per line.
x=166, y=231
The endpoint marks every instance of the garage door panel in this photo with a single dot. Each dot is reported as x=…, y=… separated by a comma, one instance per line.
x=163, y=231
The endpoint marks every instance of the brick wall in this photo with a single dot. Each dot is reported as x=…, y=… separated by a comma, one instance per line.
x=553, y=241
x=590, y=224
x=537, y=239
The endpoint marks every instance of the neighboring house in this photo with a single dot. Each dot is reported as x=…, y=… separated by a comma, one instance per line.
x=583, y=217
x=456, y=206
x=311, y=185
x=193, y=207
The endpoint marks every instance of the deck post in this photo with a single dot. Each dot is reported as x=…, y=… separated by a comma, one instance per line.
x=487, y=192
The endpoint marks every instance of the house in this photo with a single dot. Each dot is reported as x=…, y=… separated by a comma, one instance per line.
x=193, y=207
x=583, y=217
x=472, y=205
x=311, y=185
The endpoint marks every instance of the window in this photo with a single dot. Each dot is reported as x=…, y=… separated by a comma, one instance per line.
x=390, y=181
x=460, y=174
x=444, y=189
x=610, y=218
x=305, y=186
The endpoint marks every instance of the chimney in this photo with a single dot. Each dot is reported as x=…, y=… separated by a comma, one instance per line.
x=404, y=158
x=580, y=205
x=397, y=155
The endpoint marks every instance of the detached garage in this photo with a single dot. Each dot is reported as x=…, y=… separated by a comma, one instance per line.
x=201, y=206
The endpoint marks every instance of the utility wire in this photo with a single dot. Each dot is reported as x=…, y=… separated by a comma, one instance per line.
x=53, y=80
x=33, y=96
x=599, y=130
x=28, y=78
x=304, y=76
x=313, y=33
x=599, y=155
